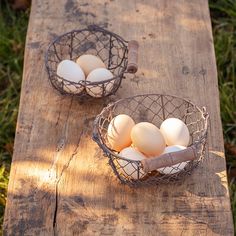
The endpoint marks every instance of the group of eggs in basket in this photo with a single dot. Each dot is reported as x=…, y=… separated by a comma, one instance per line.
x=144, y=140
x=88, y=68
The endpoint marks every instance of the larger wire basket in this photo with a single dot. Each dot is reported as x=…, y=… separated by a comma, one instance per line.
x=153, y=108
x=112, y=49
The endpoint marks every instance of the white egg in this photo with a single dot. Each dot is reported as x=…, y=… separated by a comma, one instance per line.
x=89, y=63
x=72, y=72
x=128, y=168
x=99, y=75
x=175, y=168
x=175, y=132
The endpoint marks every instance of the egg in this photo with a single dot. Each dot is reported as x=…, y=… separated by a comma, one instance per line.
x=99, y=75
x=175, y=132
x=175, y=168
x=71, y=72
x=148, y=139
x=118, y=132
x=128, y=168
x=89, y=63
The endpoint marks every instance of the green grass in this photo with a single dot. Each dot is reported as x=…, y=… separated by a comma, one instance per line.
x=223, y=14
x=13, y=26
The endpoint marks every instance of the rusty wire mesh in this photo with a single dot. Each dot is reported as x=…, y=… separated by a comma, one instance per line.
x=153, y=108
x=111, y=48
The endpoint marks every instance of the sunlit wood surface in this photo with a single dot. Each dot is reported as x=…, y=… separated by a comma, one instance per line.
x=71, y=190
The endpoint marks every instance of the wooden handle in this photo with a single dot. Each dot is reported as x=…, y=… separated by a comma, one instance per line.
x=132, y=66
x=169, y=159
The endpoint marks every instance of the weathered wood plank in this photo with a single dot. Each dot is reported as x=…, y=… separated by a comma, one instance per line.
x=60, y=182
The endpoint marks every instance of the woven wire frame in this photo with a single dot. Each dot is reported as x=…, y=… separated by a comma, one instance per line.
x=109, y=47
x=154, y=108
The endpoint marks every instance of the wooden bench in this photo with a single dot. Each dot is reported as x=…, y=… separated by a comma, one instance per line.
x=60, y=183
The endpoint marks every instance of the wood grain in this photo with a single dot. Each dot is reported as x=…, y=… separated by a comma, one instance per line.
x=60, y=183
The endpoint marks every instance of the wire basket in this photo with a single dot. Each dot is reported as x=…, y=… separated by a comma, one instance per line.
x=112, y=49
x=153, y=108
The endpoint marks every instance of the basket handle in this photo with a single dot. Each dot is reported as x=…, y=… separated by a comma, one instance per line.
x=169, y=159
x=132, y=66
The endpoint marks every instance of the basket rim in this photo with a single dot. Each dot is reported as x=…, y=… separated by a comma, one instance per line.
x=88, y=83
x=88, y=28
x=97, y=135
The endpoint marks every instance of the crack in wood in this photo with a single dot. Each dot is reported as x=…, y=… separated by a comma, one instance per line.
x=60, y=109
x=59, y=178
x=61, y=145
x=59, y=116
x=71, y=158
x=62, y=141
x=55, y=211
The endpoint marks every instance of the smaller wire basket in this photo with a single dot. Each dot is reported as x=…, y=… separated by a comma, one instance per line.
x=154, y=108
x=119, y=56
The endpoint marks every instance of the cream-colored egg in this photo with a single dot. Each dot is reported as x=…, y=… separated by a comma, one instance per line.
x=72, y=72
x=99, y=75
x=175, y=168
x=118, y=132
x=148, y=139
x=175, y=132
x=130, y=169
x=89, y=63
